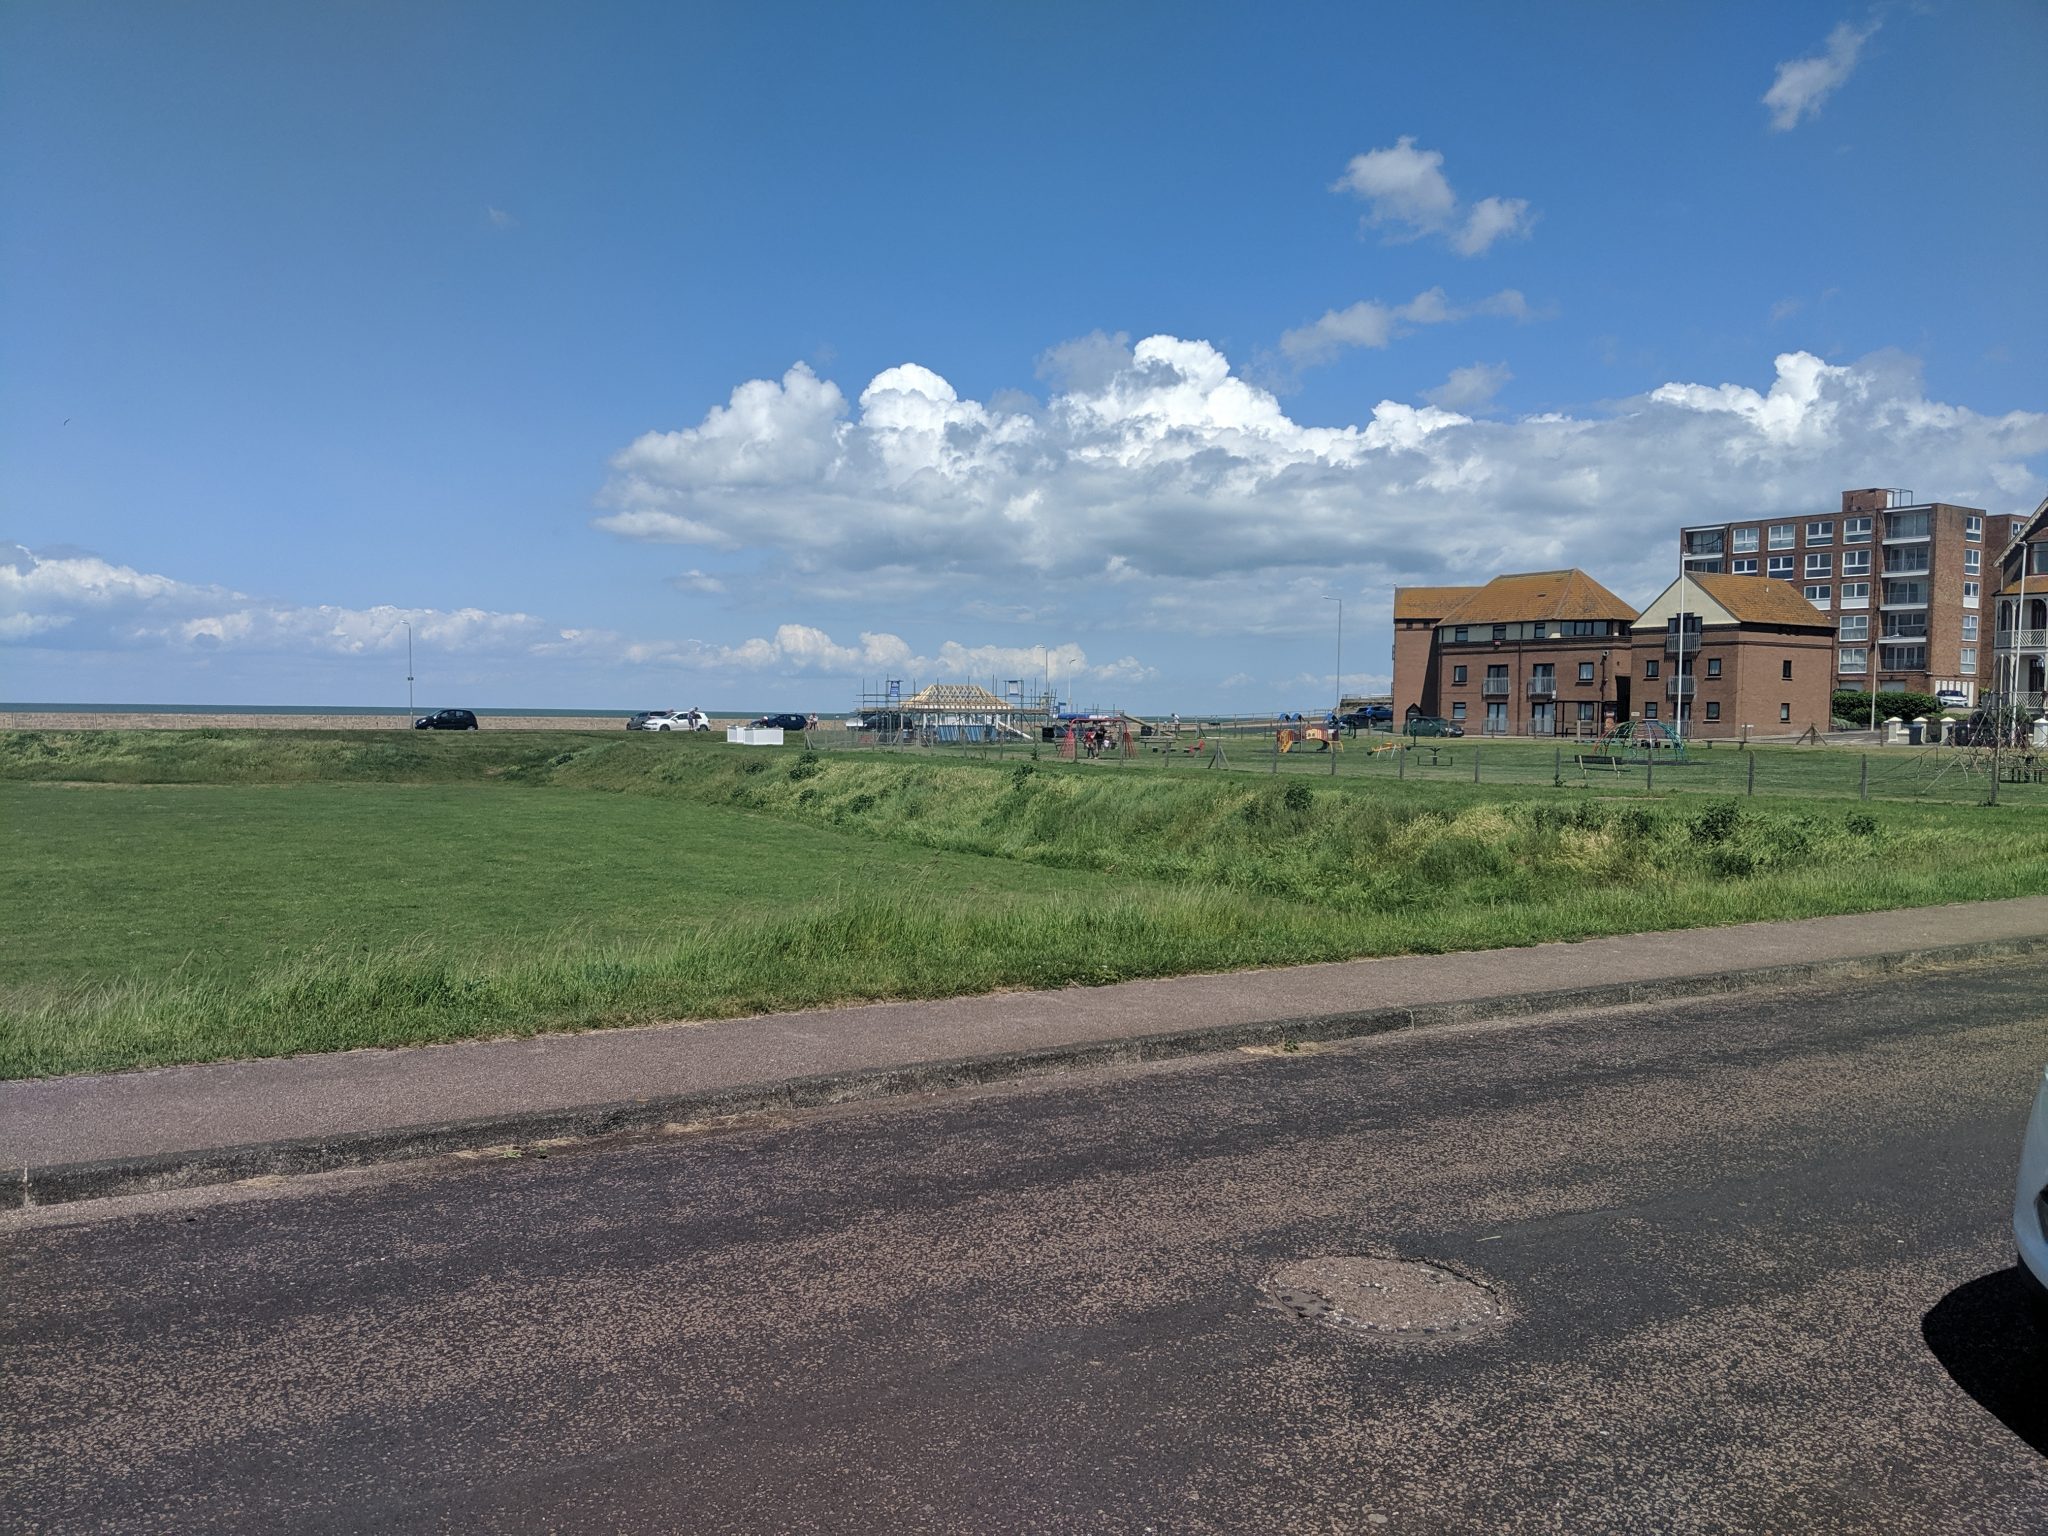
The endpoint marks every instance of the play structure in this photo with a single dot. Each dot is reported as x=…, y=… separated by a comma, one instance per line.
x=1640, y=741
x=1309, y=738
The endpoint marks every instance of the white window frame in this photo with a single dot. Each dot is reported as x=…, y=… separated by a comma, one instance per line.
x=1855, y=562
x=1781, y=535
x=1854, y=660
x=1970, y=626
x=1970, y=591
x=1781, y=567
x=1855, y=594
x=1855, y=530
x=1819, y=565
x=1822, y=597
x=1743, y=541
x=1745, y=566
x=1973, y=562
x=1820, y=533
x=1973, y=529
x=1853, y=628
x=1968, y=658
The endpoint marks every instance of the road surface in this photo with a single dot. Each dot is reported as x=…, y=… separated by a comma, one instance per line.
x=1752, y=1254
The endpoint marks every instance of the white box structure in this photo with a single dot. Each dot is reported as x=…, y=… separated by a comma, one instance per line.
x=754, y=735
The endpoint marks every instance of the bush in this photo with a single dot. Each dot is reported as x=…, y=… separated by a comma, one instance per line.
x=805, y=767
x=1855, y=707
x=1299, y=797
x=1717, y=823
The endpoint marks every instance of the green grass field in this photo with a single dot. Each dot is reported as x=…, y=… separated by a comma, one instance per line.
x=183, y=896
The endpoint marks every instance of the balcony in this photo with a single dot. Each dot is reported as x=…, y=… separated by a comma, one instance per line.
x=1681, y=687
x=1542, y=688
x=1496, y=688
x=2010, y=640
x=1691, y=647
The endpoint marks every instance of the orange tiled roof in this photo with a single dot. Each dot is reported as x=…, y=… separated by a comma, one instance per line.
x=1761, y=600
x=1428, y=602
x=1540, y=595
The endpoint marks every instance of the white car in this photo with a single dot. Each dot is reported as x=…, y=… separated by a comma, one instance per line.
x=2030, y=1203
x=670, y=720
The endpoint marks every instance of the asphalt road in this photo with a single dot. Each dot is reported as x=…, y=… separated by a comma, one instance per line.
x=1754, y=1255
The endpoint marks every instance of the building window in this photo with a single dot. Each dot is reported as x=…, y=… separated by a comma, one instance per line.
x=1969, y=658
x=1787, y=665
x=1650, y=710
x=1969, y=626
x=1500, y=631
x=1781, y=566
x=1785, y=712
x=1910, y=561
x=1855, y=659
x=1905, y=626
x=1744, y=541
x=1905, y=594
x=1902, y=658
x=1781, y=535
x=2037, y=560
x=1820, y=533
x=1973, y=529
x=1820, y=597
x=1713, y=666
x=1970, y=591
x=1713, y=709
x=1855, y=530
x=1496, y=719
x=1649, y=670
x=1458, y=710
x=1703, y=541
x=1855, y=562
x=1819, y=565
x=1973, y=562
x=1905, y=525
x=1458, y=673
x=1461, y=634
x=1585, y=671
x=1586, y=712
x=1746, y=567
x=1855, y=626
x=1855, y=594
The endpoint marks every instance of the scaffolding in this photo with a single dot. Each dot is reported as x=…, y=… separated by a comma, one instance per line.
x=900, y=712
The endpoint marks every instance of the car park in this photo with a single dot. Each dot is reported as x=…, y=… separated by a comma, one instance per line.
x=2030, y=1202
x=447, y=720
x=1432, y=725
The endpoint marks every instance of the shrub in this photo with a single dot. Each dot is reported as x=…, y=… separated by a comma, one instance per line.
x=1855, y=707
x=1717, y=823
x=805, y=767
x=1862, y=824
x=1299, y=797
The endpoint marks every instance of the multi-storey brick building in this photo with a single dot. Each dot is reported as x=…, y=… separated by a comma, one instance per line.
x=1728, y=656
x=1554, y=653
x=1541, y=653
x=2016, y=663
x=1901, y=580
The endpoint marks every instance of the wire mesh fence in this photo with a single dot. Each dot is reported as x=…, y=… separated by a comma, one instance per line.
x=1955, y=775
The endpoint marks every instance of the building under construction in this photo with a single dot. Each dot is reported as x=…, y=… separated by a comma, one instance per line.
x=951, y=712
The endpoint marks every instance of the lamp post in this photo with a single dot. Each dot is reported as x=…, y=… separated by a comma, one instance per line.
x=408, y=666
x=1340, y=651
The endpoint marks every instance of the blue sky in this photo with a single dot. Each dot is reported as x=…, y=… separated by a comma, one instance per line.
x=655, y=355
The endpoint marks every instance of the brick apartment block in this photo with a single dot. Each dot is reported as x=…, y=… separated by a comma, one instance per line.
x=1899, y=577
x=1554, y=653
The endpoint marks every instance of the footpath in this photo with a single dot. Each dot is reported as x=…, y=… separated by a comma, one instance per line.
x=78, y=1138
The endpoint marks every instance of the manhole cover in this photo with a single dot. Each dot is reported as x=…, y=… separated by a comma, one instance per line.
x=1400, y=1297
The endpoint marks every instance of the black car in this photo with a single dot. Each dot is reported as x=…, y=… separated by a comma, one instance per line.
x=447, y=720
x=1365, y=719
x=782, y=723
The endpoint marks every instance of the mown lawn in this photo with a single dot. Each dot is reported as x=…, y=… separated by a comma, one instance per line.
x=505, y=886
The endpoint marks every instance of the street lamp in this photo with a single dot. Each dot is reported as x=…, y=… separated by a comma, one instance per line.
x=1340, y=651
x=408, y=666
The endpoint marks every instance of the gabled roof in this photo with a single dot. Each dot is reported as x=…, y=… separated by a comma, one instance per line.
x=964, y=697
x=1734, y=600
x=1428, y=602
x=1539, y=595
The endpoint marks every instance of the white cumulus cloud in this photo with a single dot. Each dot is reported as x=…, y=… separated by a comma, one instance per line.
x=1406, y=188
x=1370, y=323
x=1803, y=85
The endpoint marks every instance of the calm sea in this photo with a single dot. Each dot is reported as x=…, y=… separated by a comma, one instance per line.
x=282, y=709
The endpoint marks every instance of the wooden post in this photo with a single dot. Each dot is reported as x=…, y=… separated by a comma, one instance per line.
x=1475, y=763
x=1401, y=762
x=1556, y=763
x=1752, y=773
x=1649, y=770
x=1863, y=779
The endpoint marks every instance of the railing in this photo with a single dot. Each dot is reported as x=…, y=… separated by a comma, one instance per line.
x=1681, y=688
x=1495, y=688
x=2023, y=639
x=1691, y=646
x=1542, y=687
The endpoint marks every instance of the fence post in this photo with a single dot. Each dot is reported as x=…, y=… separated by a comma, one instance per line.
x=1752, y=773
x=1557, y=764
x=1276, y=749
x=1863, y=779
x=1649, y=770
x=1475, y=763
x=1400, y=762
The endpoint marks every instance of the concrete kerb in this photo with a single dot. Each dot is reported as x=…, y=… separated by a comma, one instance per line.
x=57, y=1184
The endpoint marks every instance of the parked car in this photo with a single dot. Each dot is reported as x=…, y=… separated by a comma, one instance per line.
x=1432, y=725
x=669, y=720
x=1368, y=717
x=447, y=720
x=2030, y=1201
x=782, y=723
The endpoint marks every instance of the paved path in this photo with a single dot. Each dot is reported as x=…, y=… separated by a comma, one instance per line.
x=167, y=1112
x=1755, y=1250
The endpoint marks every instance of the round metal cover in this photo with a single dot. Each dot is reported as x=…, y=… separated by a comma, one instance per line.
x=1397, y=1297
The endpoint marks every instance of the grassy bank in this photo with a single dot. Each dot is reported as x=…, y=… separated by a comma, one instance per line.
x=506, y=887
